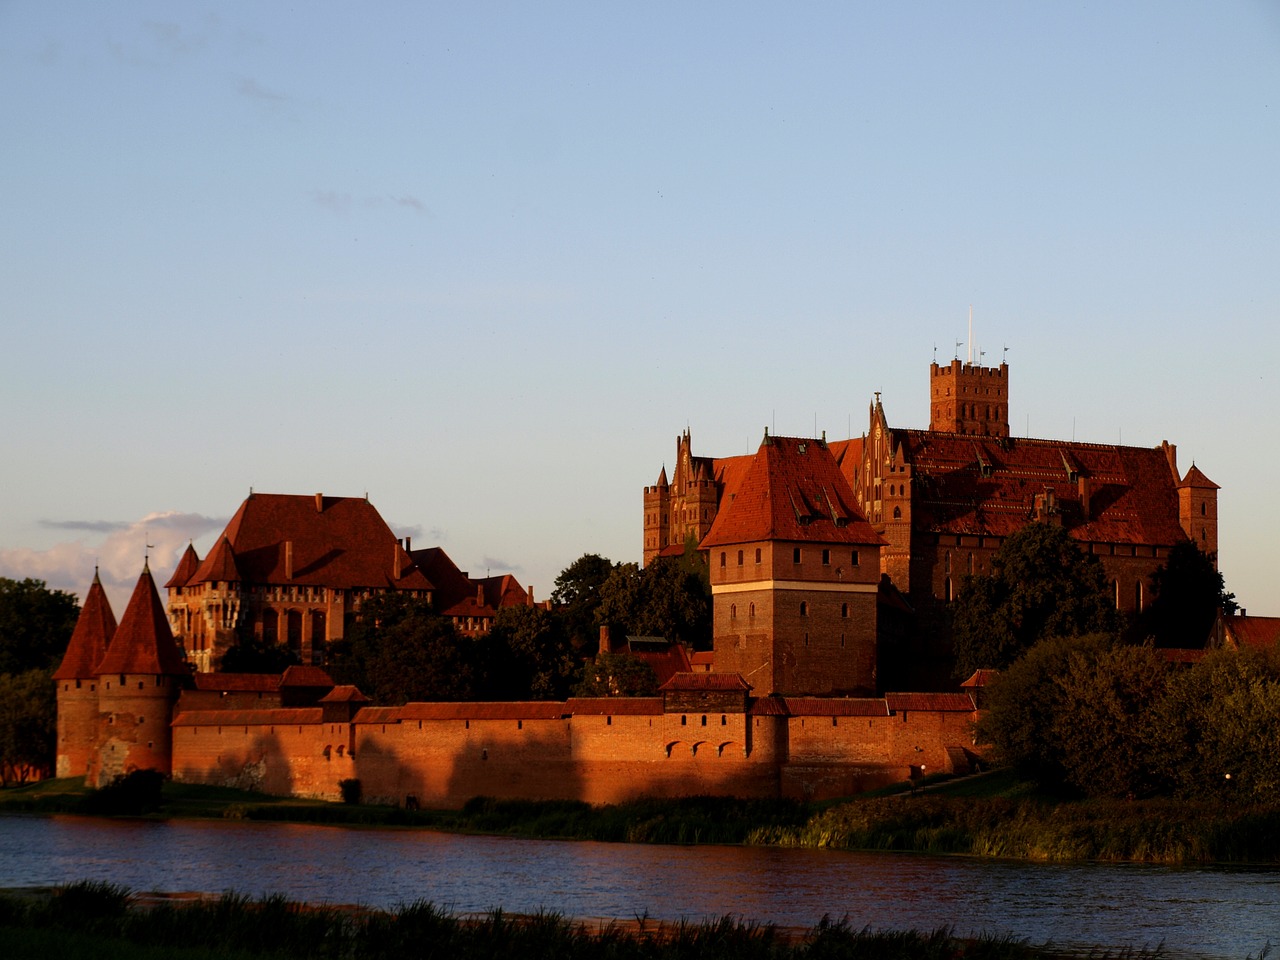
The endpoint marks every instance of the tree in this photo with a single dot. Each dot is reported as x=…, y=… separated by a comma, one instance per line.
x=250, y=654
x=529, y=655
x=35, y=625
x=1217, y=730
x=28, y=725
x=1023, y=703
x=576, y=597
x=1041, y=585
x=669, y=598
x=1188, y=595
x=1101, y=733
x=400, y=650
x=616, y=675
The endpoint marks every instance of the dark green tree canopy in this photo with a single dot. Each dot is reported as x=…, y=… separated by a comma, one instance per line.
x=616, y=675
x=28, y=725
x=1041, y=585
x=670, y=598
x=35, y=625
x=399, y=650
x=576, y=598
x=1188, y=595
x=529, y=656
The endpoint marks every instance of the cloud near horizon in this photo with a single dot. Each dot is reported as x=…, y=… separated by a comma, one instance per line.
x=118, y=555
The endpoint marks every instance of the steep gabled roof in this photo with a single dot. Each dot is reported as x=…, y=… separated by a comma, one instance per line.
x=219, y=565
x=90, y=638
x=1195, y=478
x=143, y=642
x=338, y=542
x=451, y=585
x=1258, y=632
x=187, y=567
x=792, y=491
x=665, y=658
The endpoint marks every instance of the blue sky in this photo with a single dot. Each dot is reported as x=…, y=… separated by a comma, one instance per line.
x=485, y=261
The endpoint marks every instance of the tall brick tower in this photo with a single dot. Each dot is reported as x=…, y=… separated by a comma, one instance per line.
x=965, y=398
x=139, y=679
x=77, y=683
x=1198, y=510
x=794, y=575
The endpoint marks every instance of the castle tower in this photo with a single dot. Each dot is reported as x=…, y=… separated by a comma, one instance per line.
x=139, y=679
x=181, y=621
x=77, y=683
x=1198, y=511
x=794, y=574
x=657, y=504
x=965, y=398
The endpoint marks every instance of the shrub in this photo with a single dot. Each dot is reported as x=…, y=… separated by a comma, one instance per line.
x=352, y=790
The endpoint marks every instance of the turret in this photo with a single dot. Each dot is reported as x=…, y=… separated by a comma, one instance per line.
x=77, y=683
x=138, y=683
x=966, y=398
x=1198, y=510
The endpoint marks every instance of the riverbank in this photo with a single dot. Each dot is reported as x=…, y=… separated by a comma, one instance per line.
x=993, y=815
x=105, y=922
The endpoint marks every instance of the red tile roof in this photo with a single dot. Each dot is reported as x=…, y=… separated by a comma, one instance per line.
x=770, y=706
x=614, y=706
x=187, y=566
x=1260, y=632
x=937, y=702
x=836, y=707
x=980, y=678
x=237, y=682
x=219, y=565
x=706, y=681
x=987, y=486
x=338, y=542
x=94, y=629
x=454, y=710
x=665, y=658
x=793, y=490
x=276, y=716
x=305, y=676
x=1195, y=478
x=143, y=642
x=344, y=693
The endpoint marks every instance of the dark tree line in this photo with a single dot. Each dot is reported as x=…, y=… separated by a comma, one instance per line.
x=35, y=627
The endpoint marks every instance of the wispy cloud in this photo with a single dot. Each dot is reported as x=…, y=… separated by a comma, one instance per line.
x=332, y=200
x=118, y=555
x=342, y=202
x=413, y=203
x=496, y=565
x=251, y=88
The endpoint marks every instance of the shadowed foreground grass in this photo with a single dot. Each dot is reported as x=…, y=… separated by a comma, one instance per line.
x=103, y=922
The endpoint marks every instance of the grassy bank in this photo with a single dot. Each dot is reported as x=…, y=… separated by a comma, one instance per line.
x=995, y=815
x=101, y=921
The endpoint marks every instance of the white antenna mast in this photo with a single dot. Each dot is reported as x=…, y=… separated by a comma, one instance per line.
x=971, y=334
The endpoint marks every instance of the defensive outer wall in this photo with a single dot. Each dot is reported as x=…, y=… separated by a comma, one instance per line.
x=596, y=750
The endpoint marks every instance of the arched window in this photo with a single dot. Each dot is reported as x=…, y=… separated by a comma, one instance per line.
x=751, y=611
x=739, y=558
x=897, y=513
x=723, y=557
x=733, y=611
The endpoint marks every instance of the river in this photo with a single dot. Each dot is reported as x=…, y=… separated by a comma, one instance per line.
x=1219, y=913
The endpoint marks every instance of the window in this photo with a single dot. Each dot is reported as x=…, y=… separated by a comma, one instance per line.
x=853, y=560
x=704, y=719
x=751, y=611
x=804, y=609
x=897, y=513
x=826, y=558
x=683, y=720
x=722, y=558
x=757, y=554
x=795, y=555
x=739, y=558
x=733, y=611
x=844, y=610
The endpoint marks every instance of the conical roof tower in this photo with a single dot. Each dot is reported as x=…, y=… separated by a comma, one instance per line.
x=76, y=683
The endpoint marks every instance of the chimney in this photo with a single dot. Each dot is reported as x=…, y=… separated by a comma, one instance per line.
x=1086, y=490
x=396, y=569
x=606, y=646
x=319, y=503
x=407, y=542
x=288, y=559
x=529, y=602
x=479, y=594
